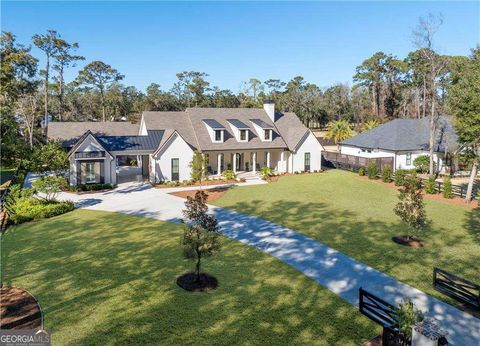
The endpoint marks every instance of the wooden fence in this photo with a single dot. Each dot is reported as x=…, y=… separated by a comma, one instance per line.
x=344, y=161
x=3, y=198
x=458, y=190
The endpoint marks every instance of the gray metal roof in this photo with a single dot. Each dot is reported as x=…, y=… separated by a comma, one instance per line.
x=125, y=143
x=238, y=124
x=407, y=134
x=213, y=124
x=262, y=124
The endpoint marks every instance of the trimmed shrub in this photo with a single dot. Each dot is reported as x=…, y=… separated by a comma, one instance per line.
x=228, y=174
x=400, y=175
x=387, y=174
x=91, y=187
x=430, y=185
x=28, y=209
x=422, y=163
x=361, y=171
x=372, y=170
x=266, y=172
x=447, y=188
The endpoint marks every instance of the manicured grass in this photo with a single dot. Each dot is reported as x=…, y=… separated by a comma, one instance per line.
x=104, y=278
x=356, y=217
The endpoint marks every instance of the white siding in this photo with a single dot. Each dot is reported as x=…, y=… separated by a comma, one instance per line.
x=176, y=147
x=309, y=145
x=374, y=153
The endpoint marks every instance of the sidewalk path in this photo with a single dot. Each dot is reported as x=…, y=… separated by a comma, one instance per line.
x=332, y=269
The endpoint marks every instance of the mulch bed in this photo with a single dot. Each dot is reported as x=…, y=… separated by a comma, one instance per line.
x=212, y=194
x=410, y=242
x=19, y=309
x=206, y=283
x=204, y=183
x=376, y=341
x=437, y=197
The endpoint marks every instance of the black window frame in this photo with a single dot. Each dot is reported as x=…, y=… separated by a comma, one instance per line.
x=219, y=137
x=269, y=136
x=307, y=161
x=243, y=135
x=408, y=159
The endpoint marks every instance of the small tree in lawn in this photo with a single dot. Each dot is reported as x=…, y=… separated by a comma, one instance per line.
x=199, y=167
x=410, y=207
x=200, y=238
x=50, y=186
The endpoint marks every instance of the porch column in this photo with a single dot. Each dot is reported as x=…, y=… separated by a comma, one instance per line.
x=268, y=159
x=219, y=164
x=282, y=160
x=234, y=163
x=254, y=163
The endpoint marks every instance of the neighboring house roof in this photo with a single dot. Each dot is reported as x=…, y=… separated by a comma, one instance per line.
x=70, y=132
x=125, y=143
x=223, y=115
x=407, y=134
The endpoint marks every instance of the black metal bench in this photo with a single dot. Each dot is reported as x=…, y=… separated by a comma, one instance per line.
x=457, y=288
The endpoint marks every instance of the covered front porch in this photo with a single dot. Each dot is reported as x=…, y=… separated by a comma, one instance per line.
x=240, y=161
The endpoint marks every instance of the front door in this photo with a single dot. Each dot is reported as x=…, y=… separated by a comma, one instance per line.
x=307, y=162
x=239, y=162
x=175, y=170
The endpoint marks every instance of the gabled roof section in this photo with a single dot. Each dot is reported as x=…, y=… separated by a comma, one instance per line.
x=79, y=142
x=238, y=124
x=138, y=143
x=70, y=132
x=262, y=124
x=214, y=124
x=407, y=134
x=291, y=128
x=172, y=121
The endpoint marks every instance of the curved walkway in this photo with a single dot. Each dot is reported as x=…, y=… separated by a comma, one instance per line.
x=332, y=269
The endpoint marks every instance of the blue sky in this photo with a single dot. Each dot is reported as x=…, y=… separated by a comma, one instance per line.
x=232, y=42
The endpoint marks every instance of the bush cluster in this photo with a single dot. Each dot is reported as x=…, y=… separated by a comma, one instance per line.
x=400, y=175
x=228, y=174
x=422, y=163
x=266, y=172
x=26, y=209
x=387, y=174
x=361, y=172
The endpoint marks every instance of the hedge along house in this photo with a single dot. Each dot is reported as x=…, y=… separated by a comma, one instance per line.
x=404, y=140
x=161, y=146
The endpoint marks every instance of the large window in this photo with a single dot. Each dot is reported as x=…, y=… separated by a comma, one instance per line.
x=90, y=176
x=307, y=162
x=267, y=134
x=218, y=135
x=243, y=135
x=408, y=159
x=175, y=169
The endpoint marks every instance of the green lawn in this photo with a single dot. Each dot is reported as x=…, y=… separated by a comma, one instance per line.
x=105, y=279
x=356, y=217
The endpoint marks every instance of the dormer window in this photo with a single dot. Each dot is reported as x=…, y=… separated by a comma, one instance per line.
x=218, y=135
x=243, y=135
x=268, y=135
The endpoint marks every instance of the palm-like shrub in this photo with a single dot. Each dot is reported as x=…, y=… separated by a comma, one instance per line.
x=266, y=172
x=228, y=174
x=370, y=124
x=339, y=130
x=407, y=316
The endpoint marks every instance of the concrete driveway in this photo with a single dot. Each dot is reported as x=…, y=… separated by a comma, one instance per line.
x=334, y=270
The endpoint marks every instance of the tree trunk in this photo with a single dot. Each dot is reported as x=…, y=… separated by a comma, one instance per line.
x=432, y=125
x=424, y=96
x=47, y=68
x=61, y=92
x=197, y=268
x=473, y=174
x=103, y=104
